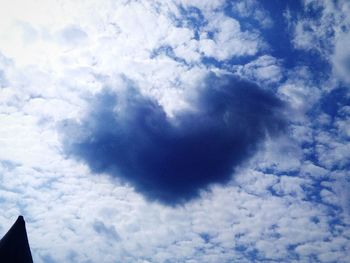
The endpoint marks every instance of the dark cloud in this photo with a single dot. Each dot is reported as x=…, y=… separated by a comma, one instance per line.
x=129, y=136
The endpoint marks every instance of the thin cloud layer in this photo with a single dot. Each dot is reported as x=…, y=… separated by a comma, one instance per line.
x=129, y=136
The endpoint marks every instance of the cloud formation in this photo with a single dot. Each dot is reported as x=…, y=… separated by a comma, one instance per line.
x=289, y=203
x=129, y=136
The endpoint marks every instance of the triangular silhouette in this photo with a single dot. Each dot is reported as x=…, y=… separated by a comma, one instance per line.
x=14, y=246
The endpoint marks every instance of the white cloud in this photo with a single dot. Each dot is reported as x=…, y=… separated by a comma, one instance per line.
x=331, y=149
x=300, y=91
x=264, y=70
x=327, y=32
x=341, y=56
x=253, y=10
x=311, y=170
x=228, y=40
x=206, y=6
x=57, y=54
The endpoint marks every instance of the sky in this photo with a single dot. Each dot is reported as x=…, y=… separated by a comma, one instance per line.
x=176, y=130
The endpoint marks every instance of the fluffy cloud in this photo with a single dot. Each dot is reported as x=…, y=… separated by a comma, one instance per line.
x=264, y=70
x=288, y=202
x=227, y=40
x=252, y=9
x=324, y=27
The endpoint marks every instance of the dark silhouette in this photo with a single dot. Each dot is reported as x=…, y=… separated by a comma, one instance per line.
x=129, y=136
x=14, y=246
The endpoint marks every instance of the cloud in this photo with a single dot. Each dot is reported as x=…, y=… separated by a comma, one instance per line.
x=5, y=65
x=324, y=27
x=341, y=57
x=72, y=36
x=288, y=203
x=108, y=232
x=253, y=10
x=265, y=70
x=223, y=39
x=130, y=136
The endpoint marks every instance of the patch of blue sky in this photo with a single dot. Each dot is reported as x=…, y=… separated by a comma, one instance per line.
x=169, y=52
x=332, y=102
x=279, y=38
x=191, y=17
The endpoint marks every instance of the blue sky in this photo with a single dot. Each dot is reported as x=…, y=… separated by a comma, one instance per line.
x=177, y=131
